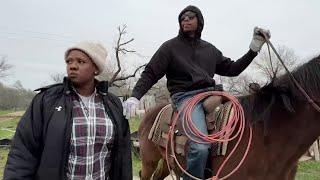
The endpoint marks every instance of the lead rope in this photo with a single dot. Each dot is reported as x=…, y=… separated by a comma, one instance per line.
x=309, y=99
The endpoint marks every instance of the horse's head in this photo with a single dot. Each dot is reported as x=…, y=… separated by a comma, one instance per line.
x=283, y=93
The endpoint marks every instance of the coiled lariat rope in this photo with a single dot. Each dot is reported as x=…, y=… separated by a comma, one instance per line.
x=227, y=133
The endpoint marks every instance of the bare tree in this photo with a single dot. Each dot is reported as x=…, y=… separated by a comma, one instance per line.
x=237, y=85
x=160, y=91
x=118, y=77
x=271, y=68
x=15, y=97
x=4, y=67
x=18, y=85
x=263, y=71
x=57, y=77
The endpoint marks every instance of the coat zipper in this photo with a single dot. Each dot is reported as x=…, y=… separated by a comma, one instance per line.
x=116, y=134
x=66, y=149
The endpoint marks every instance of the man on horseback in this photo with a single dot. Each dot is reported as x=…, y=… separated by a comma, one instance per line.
x=189, y=64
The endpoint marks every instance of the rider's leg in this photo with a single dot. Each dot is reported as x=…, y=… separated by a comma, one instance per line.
x=198, y=153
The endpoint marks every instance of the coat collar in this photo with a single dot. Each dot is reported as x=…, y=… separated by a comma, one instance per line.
x=101, y=86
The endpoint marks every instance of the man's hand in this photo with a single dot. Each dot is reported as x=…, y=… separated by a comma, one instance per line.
x=258, y=38
x=130, y=103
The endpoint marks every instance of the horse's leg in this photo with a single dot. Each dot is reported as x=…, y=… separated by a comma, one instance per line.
x=162, y=170
x=150, y=156
x=147, y=171
x=293, y=172
x=149, y=152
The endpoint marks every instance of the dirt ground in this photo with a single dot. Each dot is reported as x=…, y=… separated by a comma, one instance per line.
x=11, y=115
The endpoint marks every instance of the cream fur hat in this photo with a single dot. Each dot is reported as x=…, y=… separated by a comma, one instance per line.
x=95, y=51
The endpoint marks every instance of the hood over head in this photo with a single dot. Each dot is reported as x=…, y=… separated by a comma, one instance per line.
x=199, y=17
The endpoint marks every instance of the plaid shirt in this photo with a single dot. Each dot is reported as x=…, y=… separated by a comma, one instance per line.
x=91, y=140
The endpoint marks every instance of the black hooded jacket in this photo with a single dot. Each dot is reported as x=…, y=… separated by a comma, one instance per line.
x=40, y=147
x=189, y=63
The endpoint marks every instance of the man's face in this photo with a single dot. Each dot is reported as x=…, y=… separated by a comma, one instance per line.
x=80, y=68
x=189, y=22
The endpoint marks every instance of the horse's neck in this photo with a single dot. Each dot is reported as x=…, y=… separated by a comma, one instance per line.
x=290, y=136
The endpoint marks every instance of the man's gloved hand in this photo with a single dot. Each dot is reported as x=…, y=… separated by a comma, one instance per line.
x=130, y=103
x=258, y=38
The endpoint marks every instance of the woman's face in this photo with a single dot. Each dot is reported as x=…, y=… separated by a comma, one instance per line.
x=80, y=68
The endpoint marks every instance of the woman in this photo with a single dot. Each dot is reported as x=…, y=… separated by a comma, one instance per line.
x=74, y=130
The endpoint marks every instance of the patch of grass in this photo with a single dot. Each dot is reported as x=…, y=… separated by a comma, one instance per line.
x=3, y=159
x=7, y=128
x=308, y=170
x=9, y=124
x=134, y=124
x=136, y=165
x=4, y=134
x=4, y=112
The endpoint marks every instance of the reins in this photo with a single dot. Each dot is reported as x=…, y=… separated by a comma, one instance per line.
x=309, y=99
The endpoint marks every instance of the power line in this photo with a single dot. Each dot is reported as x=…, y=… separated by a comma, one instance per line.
x=37, y=32
x=33, y=37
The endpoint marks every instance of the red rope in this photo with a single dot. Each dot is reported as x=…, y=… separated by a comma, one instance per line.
x=226, y=133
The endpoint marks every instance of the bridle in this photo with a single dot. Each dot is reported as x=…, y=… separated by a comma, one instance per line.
x=309, y=99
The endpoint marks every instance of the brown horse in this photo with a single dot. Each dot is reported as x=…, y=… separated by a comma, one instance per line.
x=284, y=126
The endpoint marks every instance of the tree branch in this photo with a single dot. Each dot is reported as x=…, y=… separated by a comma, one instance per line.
x=127, y=77
x=4, y=67
x=119, y=49
x=122, y=44
x=124, y=51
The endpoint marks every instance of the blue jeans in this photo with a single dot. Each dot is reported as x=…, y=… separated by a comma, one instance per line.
x=198, y=153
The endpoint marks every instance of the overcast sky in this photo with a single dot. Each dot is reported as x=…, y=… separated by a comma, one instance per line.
x=35, y=33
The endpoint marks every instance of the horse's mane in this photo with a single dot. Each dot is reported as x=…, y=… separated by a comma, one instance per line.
x=282, y=92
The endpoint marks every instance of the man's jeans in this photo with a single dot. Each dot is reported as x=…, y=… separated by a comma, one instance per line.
x=198, y=153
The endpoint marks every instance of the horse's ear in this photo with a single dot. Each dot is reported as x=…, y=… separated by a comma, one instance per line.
x=316, y=59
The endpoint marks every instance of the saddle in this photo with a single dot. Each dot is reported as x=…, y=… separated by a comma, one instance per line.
x=217, y=116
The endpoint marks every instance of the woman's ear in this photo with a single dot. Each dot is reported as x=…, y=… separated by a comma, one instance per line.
x=96, y=69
